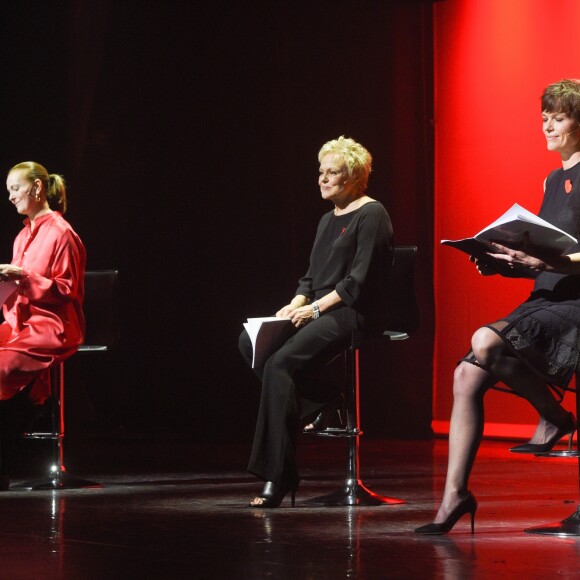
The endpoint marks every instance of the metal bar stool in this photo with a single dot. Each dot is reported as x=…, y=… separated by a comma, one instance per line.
x=571, y=525
x=101, y=335
x=403, y=320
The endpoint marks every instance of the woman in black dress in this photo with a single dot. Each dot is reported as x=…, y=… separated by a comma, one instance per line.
x=342, y=292
x=535, y=349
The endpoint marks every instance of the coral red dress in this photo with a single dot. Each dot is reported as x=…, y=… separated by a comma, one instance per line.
x=43, y=319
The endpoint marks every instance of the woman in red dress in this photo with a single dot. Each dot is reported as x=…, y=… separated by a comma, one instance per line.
x=43, y=318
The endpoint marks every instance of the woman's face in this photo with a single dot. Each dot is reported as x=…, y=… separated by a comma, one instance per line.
x=22, y=193
x=562, y=132
x=335, y=183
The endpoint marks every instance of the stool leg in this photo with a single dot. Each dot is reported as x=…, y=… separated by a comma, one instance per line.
x=57, y=477
x=57, y=419
x=353, y=491
x=571, y=525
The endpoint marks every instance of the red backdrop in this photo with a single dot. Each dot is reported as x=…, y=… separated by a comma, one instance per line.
x=492, y=60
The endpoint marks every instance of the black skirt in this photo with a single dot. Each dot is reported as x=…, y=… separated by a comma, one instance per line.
x=545, y=334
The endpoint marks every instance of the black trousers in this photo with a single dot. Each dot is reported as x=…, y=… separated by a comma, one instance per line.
x=291, y=390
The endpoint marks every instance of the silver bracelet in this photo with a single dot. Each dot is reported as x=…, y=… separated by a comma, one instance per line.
x=315, y=310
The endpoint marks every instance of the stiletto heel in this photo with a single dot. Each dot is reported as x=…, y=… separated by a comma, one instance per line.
x=272, y=496
x=570, y=435
x=467, y=506
x=536, y=448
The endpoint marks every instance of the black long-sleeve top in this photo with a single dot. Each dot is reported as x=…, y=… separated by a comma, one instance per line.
x=561, y=207
x=352, y=254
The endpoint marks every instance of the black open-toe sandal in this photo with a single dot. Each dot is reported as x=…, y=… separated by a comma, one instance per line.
x=325, y=416
x=272, y=496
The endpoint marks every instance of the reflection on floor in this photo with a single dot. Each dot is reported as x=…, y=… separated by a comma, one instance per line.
x=175, y=510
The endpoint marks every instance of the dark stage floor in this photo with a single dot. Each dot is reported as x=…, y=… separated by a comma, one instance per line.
x=178, y=510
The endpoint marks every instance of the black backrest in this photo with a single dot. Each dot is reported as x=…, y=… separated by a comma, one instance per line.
x=100, y=307
x=402, y=305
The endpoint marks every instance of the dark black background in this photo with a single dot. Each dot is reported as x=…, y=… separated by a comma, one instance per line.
x=188, y=133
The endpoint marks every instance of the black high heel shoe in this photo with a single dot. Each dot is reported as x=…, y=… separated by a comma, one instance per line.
x=324, y=417
x=467, y=506
x=551, y=442
x=272, y=496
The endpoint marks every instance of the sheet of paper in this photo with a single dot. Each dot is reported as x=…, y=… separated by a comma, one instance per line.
x=509, y=229
x=267, y=335
x=7, y=288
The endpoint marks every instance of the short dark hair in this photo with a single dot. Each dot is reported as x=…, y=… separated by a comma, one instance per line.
x=563, y=97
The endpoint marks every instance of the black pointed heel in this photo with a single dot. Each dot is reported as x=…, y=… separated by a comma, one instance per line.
x=467, y=506
x=551, y=442
x=272, y=496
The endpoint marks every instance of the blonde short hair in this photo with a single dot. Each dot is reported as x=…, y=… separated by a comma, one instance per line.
x=357, y=159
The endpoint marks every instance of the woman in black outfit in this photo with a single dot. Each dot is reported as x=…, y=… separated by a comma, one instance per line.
x=536, y=346
x=341, y=292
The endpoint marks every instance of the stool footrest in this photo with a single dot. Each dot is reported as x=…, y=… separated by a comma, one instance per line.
x=338, y=432
x=53, y=436
x=559, y=453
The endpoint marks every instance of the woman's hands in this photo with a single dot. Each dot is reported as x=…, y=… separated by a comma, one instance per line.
x=302, y=316
x=484, y=267
x=524, y=262
x=10, y=272
x=512, y=258
x=299, y=311
x=297, y=302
